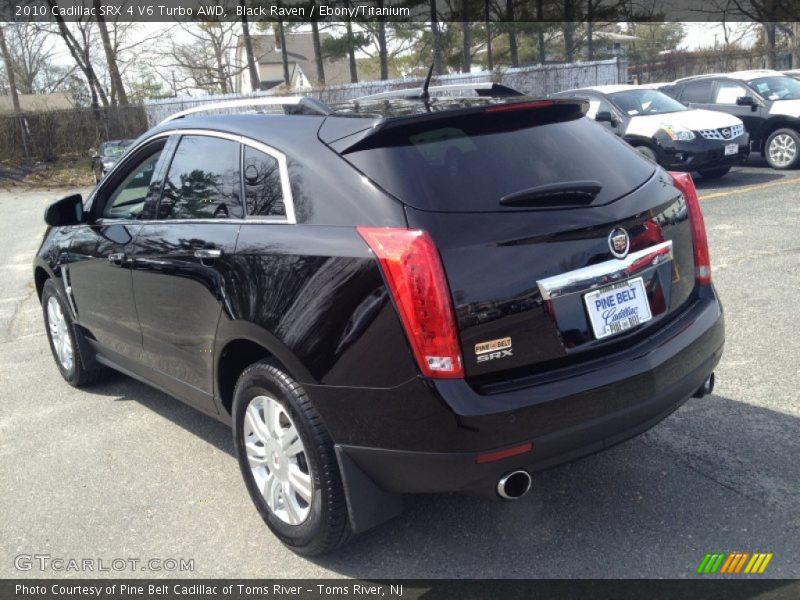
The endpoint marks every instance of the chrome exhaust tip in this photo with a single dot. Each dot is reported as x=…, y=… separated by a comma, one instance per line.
x=514, y=485
x=706, y=388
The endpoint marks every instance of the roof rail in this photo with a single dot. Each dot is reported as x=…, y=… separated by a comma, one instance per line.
x=293, y=105
x=492, y=90
x=701, y=76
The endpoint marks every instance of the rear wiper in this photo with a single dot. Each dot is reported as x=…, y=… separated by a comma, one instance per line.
x=565, y=193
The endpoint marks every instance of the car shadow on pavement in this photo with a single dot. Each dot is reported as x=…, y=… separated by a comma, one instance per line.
x=719, y=475
x=123, y=388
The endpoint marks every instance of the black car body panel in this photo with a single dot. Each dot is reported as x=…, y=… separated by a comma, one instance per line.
x=187, y=303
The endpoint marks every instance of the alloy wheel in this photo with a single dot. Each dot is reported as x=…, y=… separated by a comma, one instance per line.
x=782, y=150
x=278, y=460
x=59, y=333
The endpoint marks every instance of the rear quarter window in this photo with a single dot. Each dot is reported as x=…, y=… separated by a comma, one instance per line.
x=203, y=180
x=469, y=164
x=698, y=92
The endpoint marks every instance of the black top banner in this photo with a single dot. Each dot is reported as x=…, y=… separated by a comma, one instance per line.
x=399, y=10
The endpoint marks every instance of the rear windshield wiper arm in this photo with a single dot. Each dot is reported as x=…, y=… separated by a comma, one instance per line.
x=554, y=194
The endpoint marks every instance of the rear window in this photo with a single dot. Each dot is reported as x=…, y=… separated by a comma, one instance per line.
x=467, y=164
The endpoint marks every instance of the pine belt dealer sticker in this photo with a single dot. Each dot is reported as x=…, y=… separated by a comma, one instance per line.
x=493, y=349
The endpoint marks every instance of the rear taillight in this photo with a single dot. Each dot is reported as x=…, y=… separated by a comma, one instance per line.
x=415, y=277
x=702, y=262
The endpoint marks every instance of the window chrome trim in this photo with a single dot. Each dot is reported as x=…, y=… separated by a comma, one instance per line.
x=283, y=168
x=605, y=273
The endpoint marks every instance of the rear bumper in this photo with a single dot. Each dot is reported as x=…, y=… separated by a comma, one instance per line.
x=425, y=436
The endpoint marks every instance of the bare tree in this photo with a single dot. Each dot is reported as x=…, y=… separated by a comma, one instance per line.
x=436, y=34
x=255, y=80
x=769, y=13
x=388, y=43
x=205, y=61
x=284, y=54
x=466, y=36
x=31, y=50
x=540, y=33
x=79, y=45
x=117, y=87
x=12, y=84
x=318, y=58
x=512, y=33
x=487, y=9
x=383, y=52
x=590, y=30
x=351, y=48
x=569, y=29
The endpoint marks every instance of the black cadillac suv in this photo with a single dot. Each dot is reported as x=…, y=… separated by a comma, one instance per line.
x=392, y=296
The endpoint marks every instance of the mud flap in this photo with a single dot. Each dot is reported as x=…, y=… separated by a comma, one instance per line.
x=367, y=504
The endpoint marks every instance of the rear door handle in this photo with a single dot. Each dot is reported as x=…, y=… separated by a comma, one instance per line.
x=207, y=253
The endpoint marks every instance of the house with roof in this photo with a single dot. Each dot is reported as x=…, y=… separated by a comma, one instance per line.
x=37, y=102
x=613, y=43
x=301, y=62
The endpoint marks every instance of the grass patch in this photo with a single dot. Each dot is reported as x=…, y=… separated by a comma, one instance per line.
x=68, y=171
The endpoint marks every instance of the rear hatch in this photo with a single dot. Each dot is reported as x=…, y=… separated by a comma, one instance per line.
x=529, y=205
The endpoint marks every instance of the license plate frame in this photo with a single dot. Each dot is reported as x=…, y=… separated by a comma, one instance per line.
x=606, y=303
x=731, y=149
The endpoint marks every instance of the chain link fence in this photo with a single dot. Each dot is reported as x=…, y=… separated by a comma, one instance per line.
x=676, y=65
x=537, y=80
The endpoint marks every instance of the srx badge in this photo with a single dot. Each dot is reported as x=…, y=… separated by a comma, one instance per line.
x=493, y=349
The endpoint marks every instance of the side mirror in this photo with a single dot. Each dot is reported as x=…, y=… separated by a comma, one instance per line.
x=747, y=101
x=66, y=211
x=606, y=116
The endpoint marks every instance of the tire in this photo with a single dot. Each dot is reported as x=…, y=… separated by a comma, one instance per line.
x=63, y=339
x=647, y=152
x=782, y=149
x=714, y=173
x=308, y=521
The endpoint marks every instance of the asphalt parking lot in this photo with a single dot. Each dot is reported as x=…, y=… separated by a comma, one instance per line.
x=120, y=470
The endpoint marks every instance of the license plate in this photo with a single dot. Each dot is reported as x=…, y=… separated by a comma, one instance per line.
x=617, y=308
x=731, y=149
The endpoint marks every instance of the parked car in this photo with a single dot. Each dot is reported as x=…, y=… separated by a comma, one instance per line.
x=768, y=102
x=665, y=131
x=794, y=74
x=106, y=157
x=334, y=313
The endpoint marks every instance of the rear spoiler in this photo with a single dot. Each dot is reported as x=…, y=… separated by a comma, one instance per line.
x=378, y=132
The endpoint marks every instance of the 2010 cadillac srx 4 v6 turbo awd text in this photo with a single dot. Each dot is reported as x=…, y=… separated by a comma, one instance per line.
x=398, y=295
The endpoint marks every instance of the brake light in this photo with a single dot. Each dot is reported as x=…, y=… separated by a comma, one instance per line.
x=415, y=277
x=518, y=106
x=702, y=261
